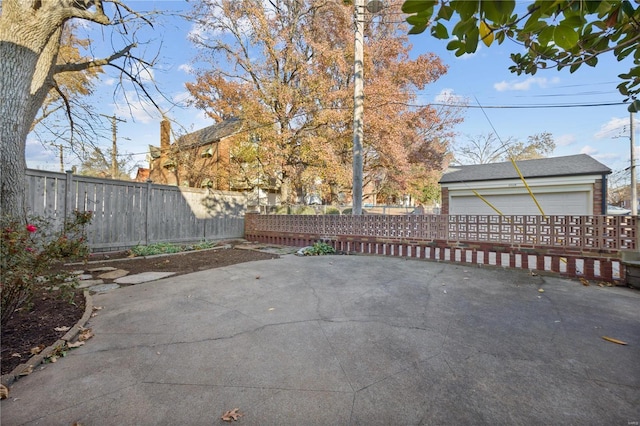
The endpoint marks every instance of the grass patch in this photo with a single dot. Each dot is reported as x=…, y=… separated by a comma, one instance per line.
x=167, y=248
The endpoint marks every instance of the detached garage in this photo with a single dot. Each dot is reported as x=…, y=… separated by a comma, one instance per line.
x=571, y=185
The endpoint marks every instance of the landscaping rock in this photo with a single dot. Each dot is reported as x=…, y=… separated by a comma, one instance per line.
x=102, y=269
x=89, y=283
x=112, y=275
x=143, y=277
x=103, y=288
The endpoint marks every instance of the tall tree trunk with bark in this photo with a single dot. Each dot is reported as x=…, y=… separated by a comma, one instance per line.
x=28, y=48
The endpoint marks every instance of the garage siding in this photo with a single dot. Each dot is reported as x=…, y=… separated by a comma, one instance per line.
x=559, y=203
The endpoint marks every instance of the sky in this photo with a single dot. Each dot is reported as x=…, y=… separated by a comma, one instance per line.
x=482, y=80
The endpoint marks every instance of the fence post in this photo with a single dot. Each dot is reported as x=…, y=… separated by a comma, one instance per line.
x=67, y=196
x=146, y=213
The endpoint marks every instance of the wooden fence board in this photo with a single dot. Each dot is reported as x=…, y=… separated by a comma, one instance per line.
x=131, y=213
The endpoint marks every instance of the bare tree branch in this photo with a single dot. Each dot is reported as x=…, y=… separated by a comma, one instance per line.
x=95, y=63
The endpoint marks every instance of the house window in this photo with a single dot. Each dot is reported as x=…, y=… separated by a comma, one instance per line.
x=208, y=153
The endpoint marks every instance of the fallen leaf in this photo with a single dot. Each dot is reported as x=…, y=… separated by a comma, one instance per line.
x=37, y=349
x=257, y=277
x=53, y=359
x=584, y=282
x=16, y=355
x=541, y=290
x=85, y=334
x=612, y=340
x=63, y=328
x=75, y=345
x=231, y=415
x=4, y=392
x=28, y=370
x=97, y=308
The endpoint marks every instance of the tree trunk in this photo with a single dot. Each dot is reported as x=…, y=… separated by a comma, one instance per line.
x=25, y=79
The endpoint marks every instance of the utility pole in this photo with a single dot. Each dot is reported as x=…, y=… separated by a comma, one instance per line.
x=373, y=6
x=634, y=191
x=61, y=159
x=633, y=108
x=114, y=147
x=358, y=107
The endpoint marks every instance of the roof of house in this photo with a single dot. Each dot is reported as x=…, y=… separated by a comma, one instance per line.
x=211, y=134
x=571, y=165
x=142, y=175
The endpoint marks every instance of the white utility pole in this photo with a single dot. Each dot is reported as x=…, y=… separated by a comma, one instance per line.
x=633, y=108
x=634, y=191
x=373, y=6
x=358, y=107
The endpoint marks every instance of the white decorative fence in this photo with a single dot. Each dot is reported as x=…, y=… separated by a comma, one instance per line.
x=131, y=213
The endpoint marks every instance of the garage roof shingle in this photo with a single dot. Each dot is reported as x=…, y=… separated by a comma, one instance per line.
x=571, y=165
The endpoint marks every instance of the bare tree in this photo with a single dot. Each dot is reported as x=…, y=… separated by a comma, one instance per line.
x=488, y=148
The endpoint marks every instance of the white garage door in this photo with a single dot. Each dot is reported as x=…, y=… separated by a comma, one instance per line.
x=572, y=203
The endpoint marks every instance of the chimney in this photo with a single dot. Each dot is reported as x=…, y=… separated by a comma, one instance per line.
x=165, y=137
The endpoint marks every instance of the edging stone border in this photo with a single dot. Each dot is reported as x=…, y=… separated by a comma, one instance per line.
x=16, y=373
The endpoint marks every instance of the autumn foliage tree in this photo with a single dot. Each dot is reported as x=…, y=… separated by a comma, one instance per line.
x=286, y=68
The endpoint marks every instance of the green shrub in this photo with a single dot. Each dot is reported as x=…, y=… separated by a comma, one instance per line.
x=332, y=210
x=318, y=249
x=304, y=210
x=28, y=251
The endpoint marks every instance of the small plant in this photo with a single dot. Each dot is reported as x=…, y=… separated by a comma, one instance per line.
x=153, y=249
x=167, y=248
x=318, y=249
x=29, y=250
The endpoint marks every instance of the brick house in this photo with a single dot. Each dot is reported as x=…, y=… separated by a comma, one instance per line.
x=197, y=159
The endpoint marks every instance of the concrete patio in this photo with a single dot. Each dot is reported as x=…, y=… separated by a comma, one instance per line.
x=347, y=340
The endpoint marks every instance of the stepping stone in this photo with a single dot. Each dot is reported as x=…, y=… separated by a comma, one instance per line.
x=89, y=283
x=103, y=288
x=84, y=277
x=102, y=269
x=112, y=275
x=143, y=277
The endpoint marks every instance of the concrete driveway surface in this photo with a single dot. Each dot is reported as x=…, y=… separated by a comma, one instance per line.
x=347, y=340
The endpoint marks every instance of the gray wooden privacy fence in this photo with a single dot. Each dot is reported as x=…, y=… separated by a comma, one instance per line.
x=130, y=213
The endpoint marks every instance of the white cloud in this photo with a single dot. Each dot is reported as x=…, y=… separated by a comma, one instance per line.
x=109, y=81
x=589, y=150
x=186, y=68
x=182, y=98
x=447, y=96
x=146, y=75
x=565, y=140
x=614, y=127
x=523, y=85
x=139, y=110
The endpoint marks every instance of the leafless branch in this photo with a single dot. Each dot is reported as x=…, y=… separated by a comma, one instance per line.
x=95, y=63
